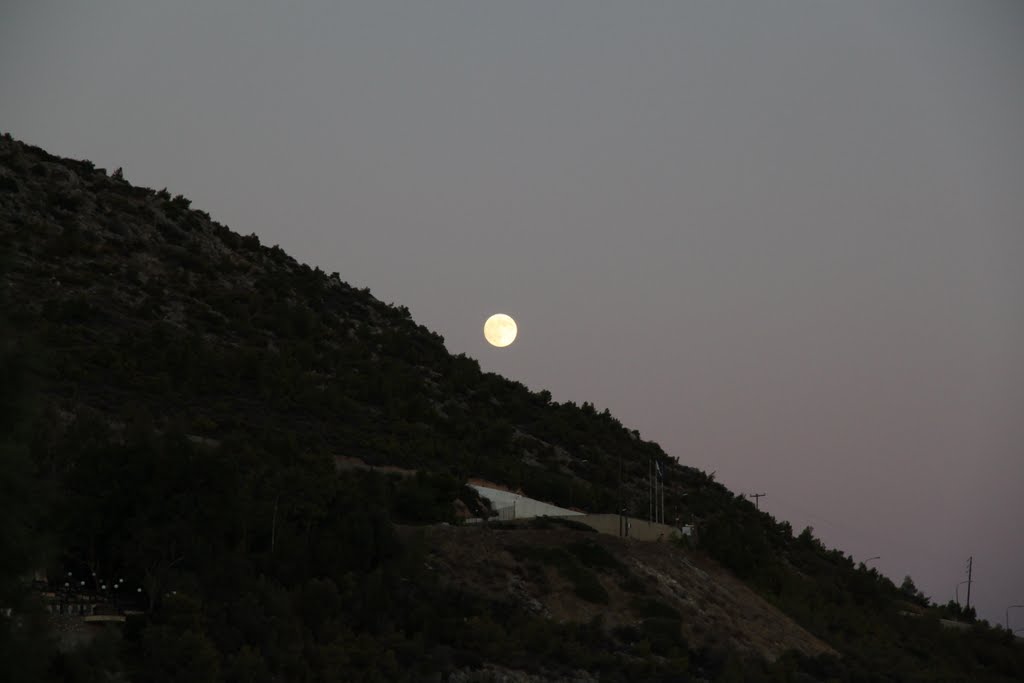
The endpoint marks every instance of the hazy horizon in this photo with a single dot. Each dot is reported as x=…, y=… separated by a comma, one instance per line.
x=782, y=239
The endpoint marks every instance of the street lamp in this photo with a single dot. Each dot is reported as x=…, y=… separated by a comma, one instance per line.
x=876, y=557
x=1008, y=615
x=958, y=591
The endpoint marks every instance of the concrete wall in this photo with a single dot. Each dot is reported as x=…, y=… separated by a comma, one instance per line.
x=524, y=507
x=640, y=529
x=516, y=506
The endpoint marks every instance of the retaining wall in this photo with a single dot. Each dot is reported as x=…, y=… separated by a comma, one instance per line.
x=524, y=507
x=640, y=529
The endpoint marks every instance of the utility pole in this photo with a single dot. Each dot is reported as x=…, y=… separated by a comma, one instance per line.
x=622, y=522
x=650, y=489
x=757, y=499
x=659, y=493
x=970, y=564
x=663, y=498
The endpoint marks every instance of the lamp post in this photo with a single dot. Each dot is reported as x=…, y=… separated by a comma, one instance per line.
x=958, y=591
x=876, y=557
x=1008, y=615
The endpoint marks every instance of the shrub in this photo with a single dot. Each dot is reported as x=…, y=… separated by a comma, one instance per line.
x=664, y=635
x=593, y=555
x=648, y=608
x=586, y=584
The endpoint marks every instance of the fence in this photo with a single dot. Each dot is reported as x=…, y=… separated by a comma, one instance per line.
x=511, y=505
x=505, y=514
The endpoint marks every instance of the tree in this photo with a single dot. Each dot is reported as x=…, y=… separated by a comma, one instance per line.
x=25, y=645
x=908, y=589
x=178, y=657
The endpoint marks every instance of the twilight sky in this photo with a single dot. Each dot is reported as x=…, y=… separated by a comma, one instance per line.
x=783, y=239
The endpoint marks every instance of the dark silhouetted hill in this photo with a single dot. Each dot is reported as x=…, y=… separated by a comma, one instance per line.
x=176, y=401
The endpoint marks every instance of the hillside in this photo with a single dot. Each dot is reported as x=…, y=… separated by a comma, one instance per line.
x=647, y=580
x=137, y=299
x=176, y=396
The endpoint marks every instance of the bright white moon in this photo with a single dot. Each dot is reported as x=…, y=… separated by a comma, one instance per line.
x=500, y=330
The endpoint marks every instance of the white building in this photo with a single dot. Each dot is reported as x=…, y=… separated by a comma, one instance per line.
x=515, y=506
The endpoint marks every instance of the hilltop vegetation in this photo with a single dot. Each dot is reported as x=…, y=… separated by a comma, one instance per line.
x=174, y=398
x=143, y=307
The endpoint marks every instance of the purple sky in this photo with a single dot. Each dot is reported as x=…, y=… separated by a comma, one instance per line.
x=783, y=239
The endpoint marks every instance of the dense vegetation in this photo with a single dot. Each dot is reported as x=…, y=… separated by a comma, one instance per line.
x=260, y=563
x=885, y=632
x=173, y=399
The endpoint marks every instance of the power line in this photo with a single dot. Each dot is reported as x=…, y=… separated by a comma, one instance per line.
x=757, y=499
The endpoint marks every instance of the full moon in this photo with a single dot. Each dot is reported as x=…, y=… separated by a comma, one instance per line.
x=500, y=330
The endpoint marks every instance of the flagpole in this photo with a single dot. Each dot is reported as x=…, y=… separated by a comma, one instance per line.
x=662, y=497
x=659, y=493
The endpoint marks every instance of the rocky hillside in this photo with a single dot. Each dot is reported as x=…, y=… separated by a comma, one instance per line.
x=176, y=399
x=634, y=588
x=144, y=307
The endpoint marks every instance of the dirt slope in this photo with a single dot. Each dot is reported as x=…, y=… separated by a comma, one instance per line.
x=538, y=570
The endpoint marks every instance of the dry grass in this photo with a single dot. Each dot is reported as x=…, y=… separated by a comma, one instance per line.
x=715, y=608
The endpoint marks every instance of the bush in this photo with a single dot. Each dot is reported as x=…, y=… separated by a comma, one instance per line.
x=593, y=555
x=648, y=608
x=664, y=635
x=632, y=584
x=170, y=656
x=586, y=584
